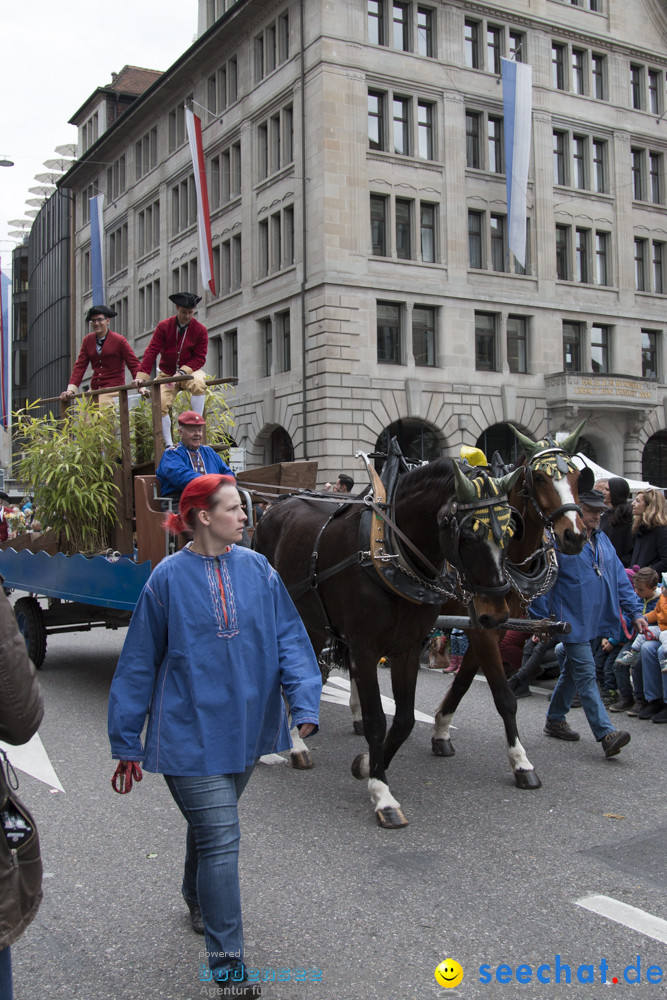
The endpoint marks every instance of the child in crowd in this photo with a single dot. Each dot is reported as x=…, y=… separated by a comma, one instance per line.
x=644, y=581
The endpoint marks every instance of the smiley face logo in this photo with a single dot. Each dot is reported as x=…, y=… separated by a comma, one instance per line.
x=449, y=973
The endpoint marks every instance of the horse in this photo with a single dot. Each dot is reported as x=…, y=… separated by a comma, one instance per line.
x=547, y=499
x=385, y=604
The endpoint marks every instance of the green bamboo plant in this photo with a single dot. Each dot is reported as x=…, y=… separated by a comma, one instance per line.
x=69, y=465
x=219, y=423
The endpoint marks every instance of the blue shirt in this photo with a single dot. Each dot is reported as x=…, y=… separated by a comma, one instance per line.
x=590, y=590
x=210, y=644
x=178, y=467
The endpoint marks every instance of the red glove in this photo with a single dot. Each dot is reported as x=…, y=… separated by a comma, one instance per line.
x=125, y=773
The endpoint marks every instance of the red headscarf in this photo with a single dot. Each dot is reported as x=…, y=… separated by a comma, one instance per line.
x=196, y=496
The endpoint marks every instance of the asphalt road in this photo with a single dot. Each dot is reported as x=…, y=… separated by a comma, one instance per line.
x=485, y=874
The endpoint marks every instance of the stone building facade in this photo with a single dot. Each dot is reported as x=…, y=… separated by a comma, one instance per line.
x=356, y=182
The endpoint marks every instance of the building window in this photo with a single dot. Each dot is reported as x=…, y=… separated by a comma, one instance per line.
x=184, y=276
x=579, y=71
x=600, y=349
x=638, y=183
x=650, y=341
x=376, y=31
x=276, y=242
x=599, y=74
x=517, y=46
x=582, y=255
x=655, y=171
x=471, y=44
x=426, y=32
x=389, y=333
x=401, y=116
x=117, y=245
x=145, y=154
x=116, y=179
x=602, y=258
x=560, y=158
x=428, y=231
x=267, y=343
x=183, y=205
x=480, y=156
x=580, y=160
x=89, y=132
x=148, y=228
x=572, y=347
x=558, y=66
x=86, y=195
x=498, y=242
x=517, y=355
x=494, y=48
x=485, y=342
x=177, y=130
x=275, y=143
x=283, y=346
x=376, y=120
x=563, y=271
x=425, y=130
x=658, y=267
x=86, y=272
x=225, y=176
x=271, y=47
x=655, y=91
x=148, y=305
x=401, y=22
x=475, y=239
x=423, y=335
x=600, y=166
x=640, y=265
x=121, y=321
x=230, y=353
x=403, y=229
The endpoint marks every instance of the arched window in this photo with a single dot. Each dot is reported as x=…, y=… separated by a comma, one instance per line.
x=654, y=459
x=418, y=441
x=279, y=447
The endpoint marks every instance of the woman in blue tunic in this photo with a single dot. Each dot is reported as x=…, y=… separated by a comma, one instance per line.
x=213, y=640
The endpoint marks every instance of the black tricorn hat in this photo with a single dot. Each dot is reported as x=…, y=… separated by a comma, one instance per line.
x=100, y=311
x=188, y=300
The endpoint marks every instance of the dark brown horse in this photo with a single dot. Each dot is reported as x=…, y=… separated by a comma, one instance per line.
x=319, y=549
x=546, y=497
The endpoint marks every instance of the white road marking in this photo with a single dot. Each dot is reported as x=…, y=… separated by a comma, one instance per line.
x=629, y=916
x=332, y=691
x=32, y=759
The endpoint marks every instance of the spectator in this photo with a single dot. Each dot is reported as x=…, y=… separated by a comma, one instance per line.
x=649, y=527
x=108, y=353
x=344, y=484
x=4, y=511
x=654, y=684
x=617, y=522
x=21, y=711
x=629, y=679
x=213, y=639
x=181, y=344
x=589, y=589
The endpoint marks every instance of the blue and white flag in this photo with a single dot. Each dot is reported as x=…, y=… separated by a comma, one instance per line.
x=517, y=110
x=97, y=250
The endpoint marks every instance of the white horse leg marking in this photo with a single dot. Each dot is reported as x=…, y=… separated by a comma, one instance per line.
x=518, y=759
x=298, y=745
x=381, y=796
x=355, y=704
x=364, y=764
x=442, y=726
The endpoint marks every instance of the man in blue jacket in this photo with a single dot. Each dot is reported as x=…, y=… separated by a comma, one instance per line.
x=183, y=462
x=590, y=589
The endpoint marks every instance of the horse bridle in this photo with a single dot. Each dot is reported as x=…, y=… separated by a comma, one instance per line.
x=452, y=523
x=528, y=489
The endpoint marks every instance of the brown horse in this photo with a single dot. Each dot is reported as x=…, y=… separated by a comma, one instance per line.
x=547, y=499
x=318, y=547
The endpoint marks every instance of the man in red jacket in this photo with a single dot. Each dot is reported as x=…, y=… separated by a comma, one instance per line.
x=181, y=343
x=106, y=352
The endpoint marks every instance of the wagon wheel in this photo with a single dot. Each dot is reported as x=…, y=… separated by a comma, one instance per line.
x=31, y=626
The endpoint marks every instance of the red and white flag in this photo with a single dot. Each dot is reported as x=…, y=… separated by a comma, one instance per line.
x=193, y=125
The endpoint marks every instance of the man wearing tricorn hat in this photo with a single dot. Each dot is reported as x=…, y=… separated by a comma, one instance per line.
x=106, y=352
x=181, y=343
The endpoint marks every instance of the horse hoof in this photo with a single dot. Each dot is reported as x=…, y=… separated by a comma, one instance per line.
x=526, y=779
x=301, y=760
x=358, y=727
x=391, y=818
x=442, y=748
x=360, y=766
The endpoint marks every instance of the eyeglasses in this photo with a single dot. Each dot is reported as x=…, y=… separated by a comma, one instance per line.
x=97, y=322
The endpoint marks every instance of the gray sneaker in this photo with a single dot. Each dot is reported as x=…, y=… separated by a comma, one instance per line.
x=628, y=657
x=560, y=729
x=612, y=743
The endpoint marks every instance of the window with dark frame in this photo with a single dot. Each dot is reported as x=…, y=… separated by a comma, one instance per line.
x=475, y=239
x=650, y=340
x=403, y=208
x=423, y=335
x=572, y=338
x=389, y=333
x=485, y=342
x=376, y=120
x=600, y=349
x=517, y=352
x=379, y=225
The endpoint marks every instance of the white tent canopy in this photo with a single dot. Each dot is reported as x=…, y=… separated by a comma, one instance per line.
x=601, y=473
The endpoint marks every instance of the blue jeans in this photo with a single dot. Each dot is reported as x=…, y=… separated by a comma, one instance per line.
x=655, y=682
x=6, y=989
x=211, y=874
x=577, y=673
